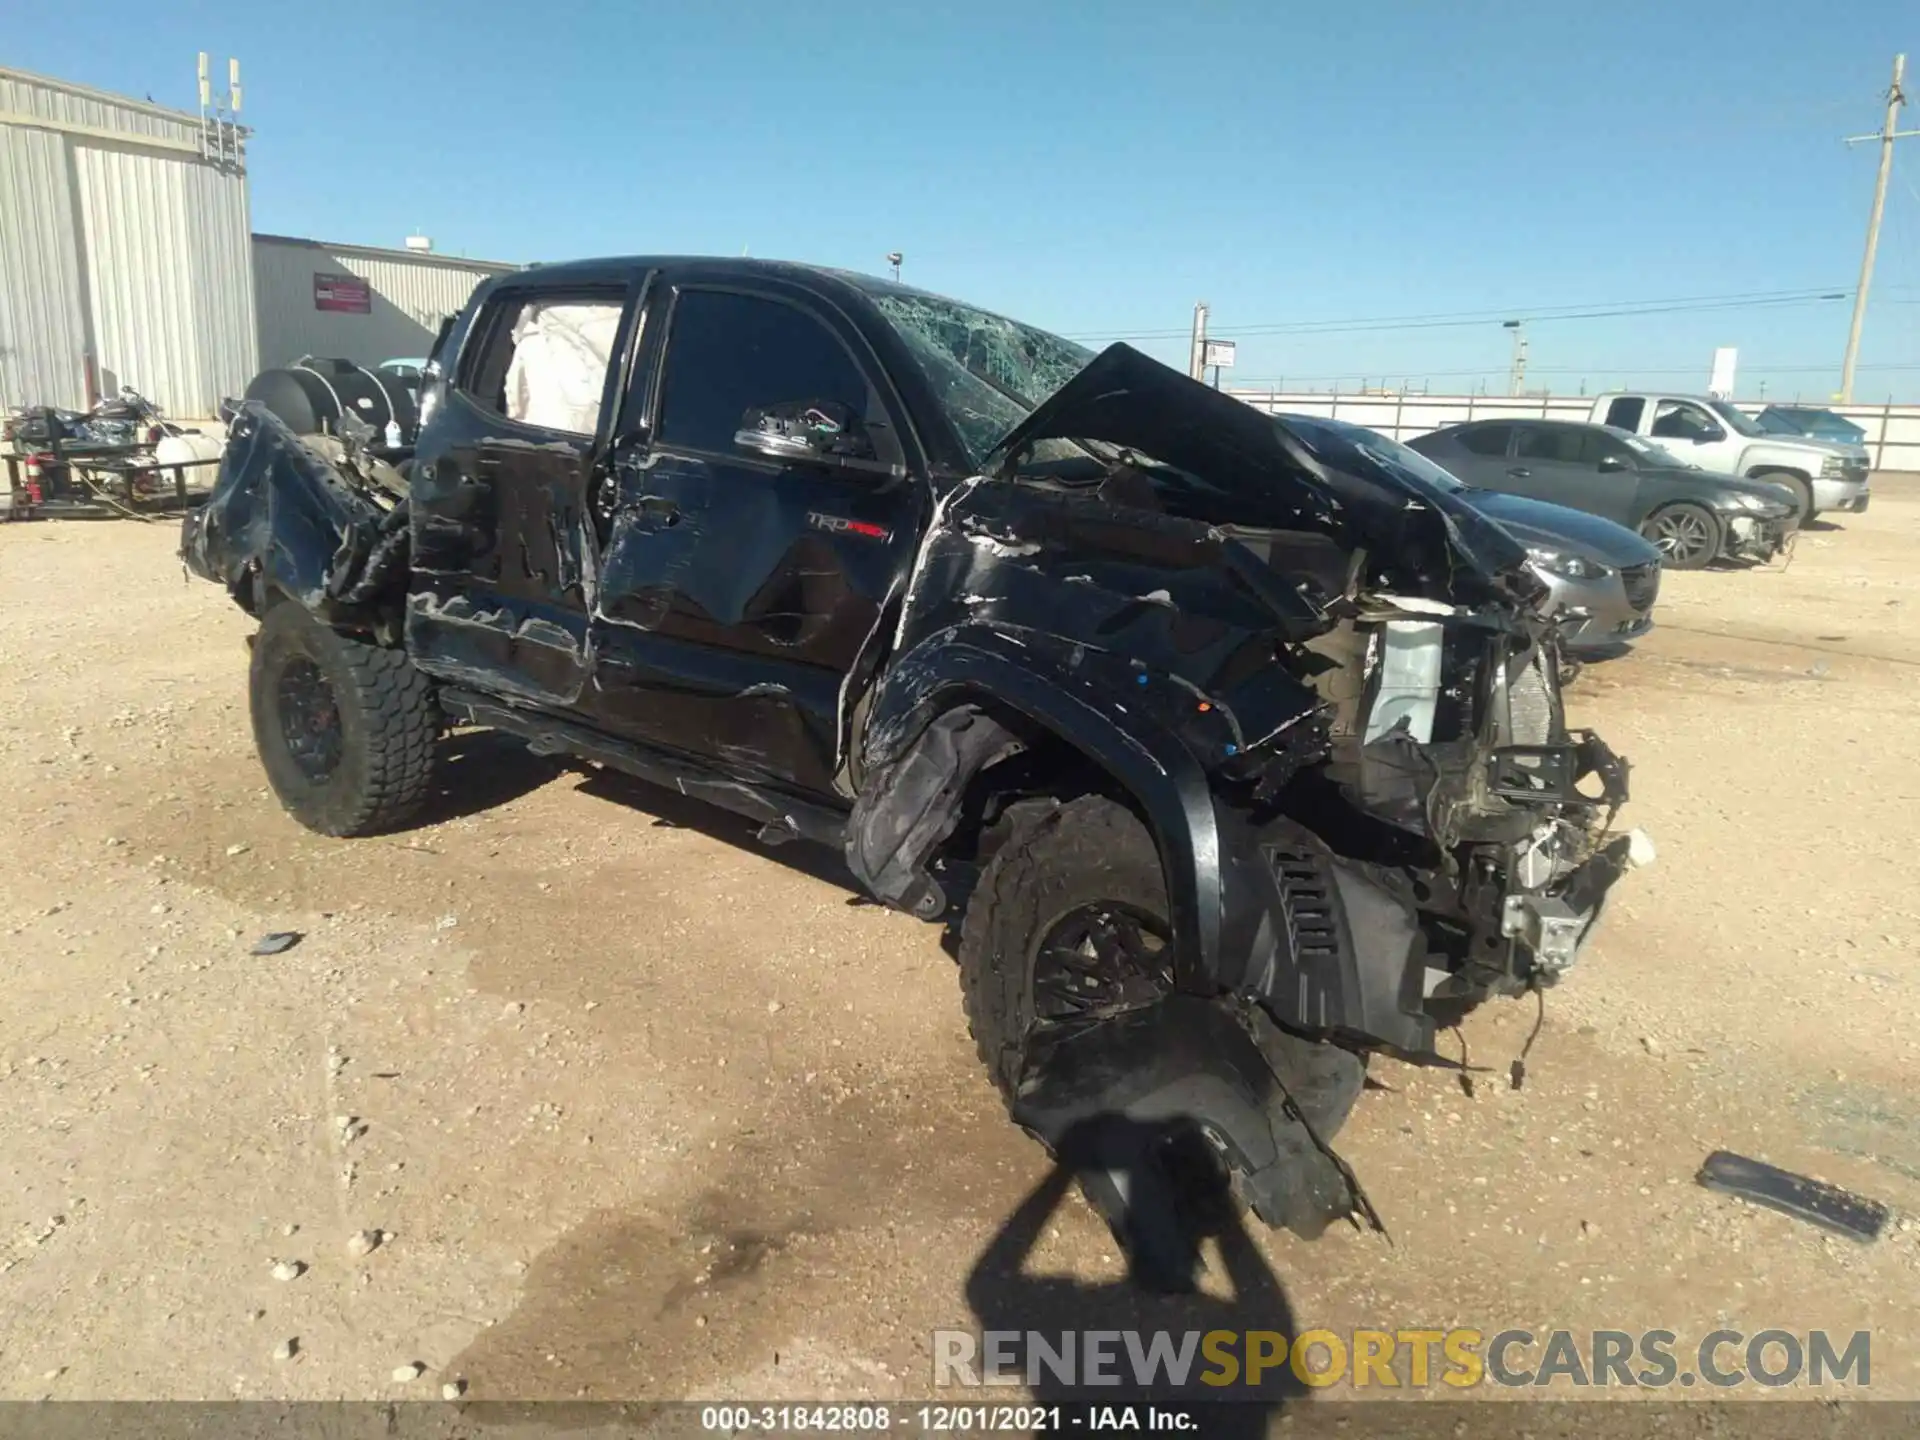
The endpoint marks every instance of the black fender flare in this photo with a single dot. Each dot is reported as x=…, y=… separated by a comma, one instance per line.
x=1240, y=924
x=1039, y=677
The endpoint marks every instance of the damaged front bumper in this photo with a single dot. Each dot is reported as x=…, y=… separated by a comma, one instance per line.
x=1378, y=956
x=1757, y=538
x=1476, y=855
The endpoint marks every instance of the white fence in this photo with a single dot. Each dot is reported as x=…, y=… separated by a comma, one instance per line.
x=1893, y=431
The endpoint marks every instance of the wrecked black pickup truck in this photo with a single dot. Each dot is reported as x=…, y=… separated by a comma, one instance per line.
x=1232, y=762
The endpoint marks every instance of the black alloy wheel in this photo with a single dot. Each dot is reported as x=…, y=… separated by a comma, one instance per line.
x=1098, y=961
x=310, y=719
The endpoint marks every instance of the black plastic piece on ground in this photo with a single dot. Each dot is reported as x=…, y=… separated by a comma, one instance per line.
x=1186, y=1062
x=278, y=943
x=1800, y=1196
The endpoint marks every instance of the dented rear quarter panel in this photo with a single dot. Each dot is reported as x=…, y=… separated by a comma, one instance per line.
x=280, y=520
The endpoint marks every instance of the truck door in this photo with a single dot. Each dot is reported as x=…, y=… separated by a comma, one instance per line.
x=736, y=589
x=1692, y=432
x=499, y=522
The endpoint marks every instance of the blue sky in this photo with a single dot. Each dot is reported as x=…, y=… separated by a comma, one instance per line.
x=1097, y=167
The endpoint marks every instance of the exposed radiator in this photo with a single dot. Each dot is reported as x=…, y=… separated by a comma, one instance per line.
x=1530, y=705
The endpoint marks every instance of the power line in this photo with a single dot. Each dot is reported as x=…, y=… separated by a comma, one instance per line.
x=1247, y=381
x=1669, y=308
x=1592, y=310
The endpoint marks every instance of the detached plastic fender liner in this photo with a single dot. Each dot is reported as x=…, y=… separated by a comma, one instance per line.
x=900, y=820
x=1187, y=1062
x=1034, y=674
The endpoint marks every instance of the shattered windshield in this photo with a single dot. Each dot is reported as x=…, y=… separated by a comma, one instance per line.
x=987, y=372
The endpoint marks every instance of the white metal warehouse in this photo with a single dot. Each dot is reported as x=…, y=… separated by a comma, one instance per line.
x=355, y=302
x=123, y=250
x=127, y=259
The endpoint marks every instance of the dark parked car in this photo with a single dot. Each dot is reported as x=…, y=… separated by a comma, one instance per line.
x=1602, y=579
x=1231, y=763
x=1814, y=423
x=1694, y=516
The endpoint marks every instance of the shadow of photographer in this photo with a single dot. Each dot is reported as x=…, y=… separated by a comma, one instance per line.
x=1163, y=1194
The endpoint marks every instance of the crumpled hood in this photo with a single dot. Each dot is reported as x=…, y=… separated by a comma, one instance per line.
x=1263, y=474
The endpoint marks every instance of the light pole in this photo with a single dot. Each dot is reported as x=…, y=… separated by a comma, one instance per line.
x=1896, y=97
x=894, y=257
x=1517, y=370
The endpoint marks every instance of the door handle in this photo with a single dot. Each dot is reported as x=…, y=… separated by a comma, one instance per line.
x=1519, y=472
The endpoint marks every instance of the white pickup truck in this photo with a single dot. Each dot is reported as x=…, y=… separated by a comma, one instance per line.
x=1718, y=436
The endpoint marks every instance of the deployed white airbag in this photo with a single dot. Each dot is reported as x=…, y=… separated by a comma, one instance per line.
x=561, y=354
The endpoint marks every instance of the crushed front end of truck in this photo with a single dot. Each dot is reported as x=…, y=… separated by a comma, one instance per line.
x=1325, y=689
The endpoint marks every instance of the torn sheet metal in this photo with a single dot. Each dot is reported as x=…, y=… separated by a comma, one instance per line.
x=282, y=518
x=1154, y=616
x=1210, y=653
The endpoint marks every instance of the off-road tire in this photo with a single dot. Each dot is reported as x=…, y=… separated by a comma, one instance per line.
x=389, y=725
x=1054, y=859
x=1802, y=492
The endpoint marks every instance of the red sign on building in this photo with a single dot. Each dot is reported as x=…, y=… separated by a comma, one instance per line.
x=348, y=294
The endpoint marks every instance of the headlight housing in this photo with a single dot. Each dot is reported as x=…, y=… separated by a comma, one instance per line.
x=1567, y=566
x=1832, y=467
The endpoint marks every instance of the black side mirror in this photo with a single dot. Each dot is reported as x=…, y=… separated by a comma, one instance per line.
x=1612, y=464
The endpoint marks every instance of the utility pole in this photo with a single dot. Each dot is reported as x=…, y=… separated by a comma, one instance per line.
x=1197, y=357
x=1896, y=97
x=1517, y=371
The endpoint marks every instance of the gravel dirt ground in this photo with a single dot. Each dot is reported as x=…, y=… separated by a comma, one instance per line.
x=629, y=1106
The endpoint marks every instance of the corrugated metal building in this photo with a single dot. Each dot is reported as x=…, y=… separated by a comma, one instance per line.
x=123, y=251
x=355, y=302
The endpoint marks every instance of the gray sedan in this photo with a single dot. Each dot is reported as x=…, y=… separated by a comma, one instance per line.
x=1695, y=517
x=1602, y=578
